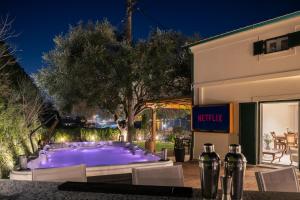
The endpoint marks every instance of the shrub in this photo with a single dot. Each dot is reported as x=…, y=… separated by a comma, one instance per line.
x=86, y=134
x=14, y=137
x=171, y=138
x=178, y=143
x=66, y=135
x=99, y=134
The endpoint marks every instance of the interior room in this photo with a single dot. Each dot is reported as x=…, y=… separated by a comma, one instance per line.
x=279, y=133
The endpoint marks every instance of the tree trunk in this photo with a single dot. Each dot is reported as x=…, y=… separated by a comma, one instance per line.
x=130, y=119
x=153, y=131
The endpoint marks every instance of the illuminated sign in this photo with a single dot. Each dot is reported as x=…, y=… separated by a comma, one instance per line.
x=212, y=118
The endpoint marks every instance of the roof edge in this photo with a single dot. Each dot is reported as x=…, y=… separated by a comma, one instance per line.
x=246, y=28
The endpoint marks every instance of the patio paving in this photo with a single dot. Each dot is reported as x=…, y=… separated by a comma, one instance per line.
x=192, y=175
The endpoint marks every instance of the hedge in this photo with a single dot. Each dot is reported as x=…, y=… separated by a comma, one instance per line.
x=86, y=134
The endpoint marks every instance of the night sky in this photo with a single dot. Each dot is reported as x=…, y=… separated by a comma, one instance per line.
x=39, y=21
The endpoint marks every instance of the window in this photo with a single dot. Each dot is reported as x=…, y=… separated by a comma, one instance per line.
x=284, y=44
x=272, y=47
x=277, y=44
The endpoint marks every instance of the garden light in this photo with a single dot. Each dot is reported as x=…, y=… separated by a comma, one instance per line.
x=93, y=138
x=164, y=126
x=62, y=139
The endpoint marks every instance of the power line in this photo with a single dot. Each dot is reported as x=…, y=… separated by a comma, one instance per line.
x=133, y=8
x=151, y=18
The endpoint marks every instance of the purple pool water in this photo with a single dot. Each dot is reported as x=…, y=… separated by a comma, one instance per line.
x=91, y=154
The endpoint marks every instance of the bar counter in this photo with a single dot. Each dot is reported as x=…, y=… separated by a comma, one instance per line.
x=48, y=190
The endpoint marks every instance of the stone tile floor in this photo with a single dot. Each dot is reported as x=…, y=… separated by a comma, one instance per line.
x=192, y=175
x=285, y=160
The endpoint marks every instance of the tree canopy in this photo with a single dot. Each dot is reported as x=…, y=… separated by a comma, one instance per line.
x=91, y=64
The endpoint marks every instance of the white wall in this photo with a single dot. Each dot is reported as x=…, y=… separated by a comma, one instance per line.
x=226, y=70
x=232, y=56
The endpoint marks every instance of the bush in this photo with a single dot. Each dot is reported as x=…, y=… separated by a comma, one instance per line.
x=100, y=134
x=171, y=138
x=158, y=145
x=67, y=135
x=14, y=137
x=20, y=103
x=86, y=134
x=178, y=143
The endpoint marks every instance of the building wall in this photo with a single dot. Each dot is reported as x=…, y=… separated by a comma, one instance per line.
x=226, y=70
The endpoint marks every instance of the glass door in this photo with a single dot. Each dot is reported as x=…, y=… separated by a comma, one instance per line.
x=279, y=133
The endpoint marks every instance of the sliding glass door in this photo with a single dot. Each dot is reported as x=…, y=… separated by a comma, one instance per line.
x=279, y=133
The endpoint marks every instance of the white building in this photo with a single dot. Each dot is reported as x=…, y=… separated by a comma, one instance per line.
x=257, y=70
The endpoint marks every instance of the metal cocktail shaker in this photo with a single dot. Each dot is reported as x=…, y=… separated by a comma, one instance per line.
x=209, y=164
x=235, y=166
x=226, y=187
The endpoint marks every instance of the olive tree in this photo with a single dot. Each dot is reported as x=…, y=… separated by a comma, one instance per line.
x=6, y=33
x=93, y=64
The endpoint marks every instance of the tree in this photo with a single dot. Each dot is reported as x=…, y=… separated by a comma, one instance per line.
x=6, y=52
x=6, y=33
x=20, y=104
x=80, y=67
x=91, y=64
x=163, y=68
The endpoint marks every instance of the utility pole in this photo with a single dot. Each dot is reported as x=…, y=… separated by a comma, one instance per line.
x=129, y=8
x=130, y=105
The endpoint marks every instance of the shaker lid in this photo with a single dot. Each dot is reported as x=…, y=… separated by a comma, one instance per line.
x=208, y=147
x=235, y=148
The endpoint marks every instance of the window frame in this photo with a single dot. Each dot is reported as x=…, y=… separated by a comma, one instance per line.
x=276, y=39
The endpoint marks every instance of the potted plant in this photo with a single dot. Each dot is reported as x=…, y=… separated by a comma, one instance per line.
x=267, y=140
x=179, y=150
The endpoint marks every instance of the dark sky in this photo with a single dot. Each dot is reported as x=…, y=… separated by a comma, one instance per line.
x=40, y=20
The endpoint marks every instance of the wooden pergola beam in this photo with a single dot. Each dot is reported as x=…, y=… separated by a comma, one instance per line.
x=153, y=131
x=184, y=103
x=169, y=106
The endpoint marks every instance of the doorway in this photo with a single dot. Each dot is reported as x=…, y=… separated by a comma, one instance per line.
x=279, y=133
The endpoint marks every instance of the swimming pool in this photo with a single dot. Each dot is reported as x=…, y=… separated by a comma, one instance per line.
x=91, y=154
x=100, y=158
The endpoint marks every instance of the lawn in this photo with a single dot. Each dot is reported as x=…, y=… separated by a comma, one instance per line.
x=159, y=145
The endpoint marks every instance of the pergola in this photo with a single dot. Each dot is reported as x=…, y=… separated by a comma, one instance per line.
x=181, y=103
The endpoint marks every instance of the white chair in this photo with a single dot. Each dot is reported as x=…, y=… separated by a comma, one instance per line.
x=75, y=173
x=160, y=176
x=280, y=180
